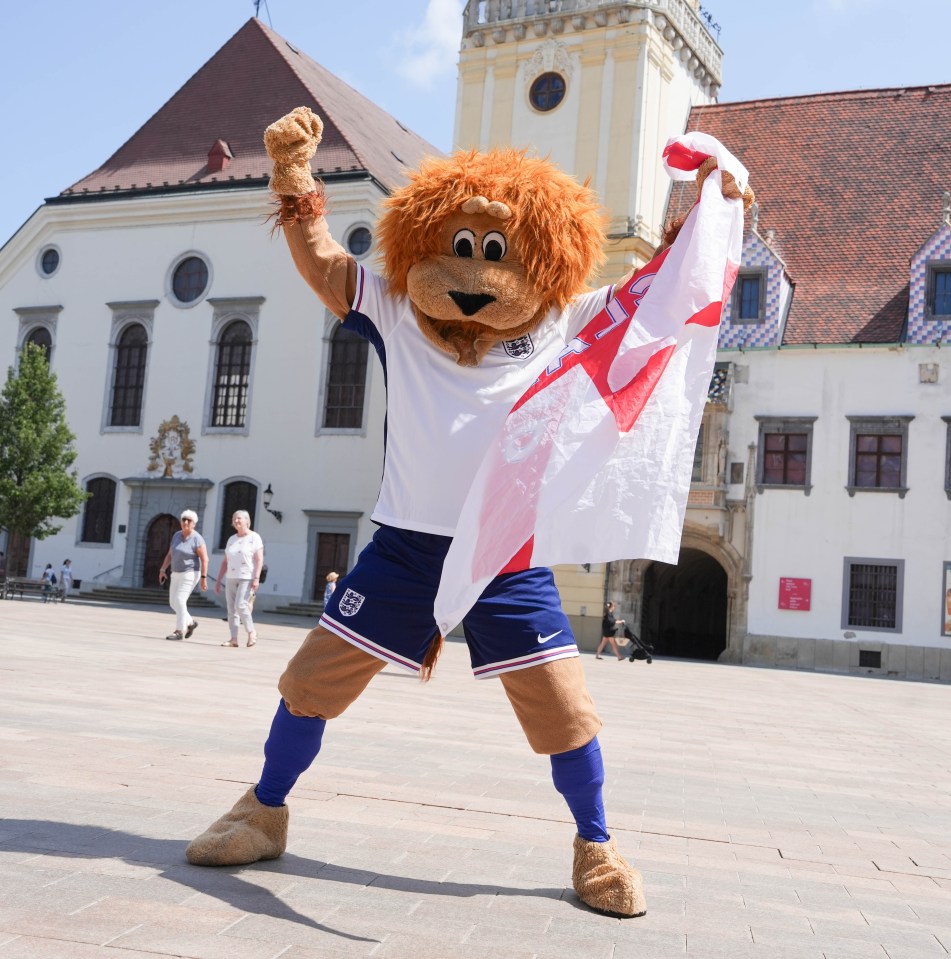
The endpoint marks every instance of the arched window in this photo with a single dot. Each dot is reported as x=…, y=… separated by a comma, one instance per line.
x=40, y=336
x=128, y=377
x=232, y=374
x=99, y=511
x=346, y=381
x=234, y=496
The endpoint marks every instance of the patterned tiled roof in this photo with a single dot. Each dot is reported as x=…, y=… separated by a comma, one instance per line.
x=256, y=77
x=852, y=185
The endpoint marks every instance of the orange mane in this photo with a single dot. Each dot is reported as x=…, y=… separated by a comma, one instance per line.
x=556, y=227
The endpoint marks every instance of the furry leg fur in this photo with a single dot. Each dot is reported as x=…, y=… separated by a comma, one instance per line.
x=606, y=881
x=249, y=832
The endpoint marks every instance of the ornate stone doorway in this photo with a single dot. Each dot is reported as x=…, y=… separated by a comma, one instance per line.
x=151, y=501
x=157, y=540
x=684, y=610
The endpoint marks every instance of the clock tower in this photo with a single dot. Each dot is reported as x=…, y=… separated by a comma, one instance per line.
x=596, y=85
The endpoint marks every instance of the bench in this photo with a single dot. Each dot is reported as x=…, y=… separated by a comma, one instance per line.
x=22, y=585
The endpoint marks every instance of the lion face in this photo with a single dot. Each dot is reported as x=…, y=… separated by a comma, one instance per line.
x=475, y=291
x=476, y=278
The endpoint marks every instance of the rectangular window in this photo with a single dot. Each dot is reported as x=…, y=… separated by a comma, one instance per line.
x=939, y=298
x=749, y=297
x=878, y=453
x=784, y=453
x=872, y=597
x=784, y=459
x=878, y=460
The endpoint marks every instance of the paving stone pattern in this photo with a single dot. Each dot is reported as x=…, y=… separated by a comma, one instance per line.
x=775, y=814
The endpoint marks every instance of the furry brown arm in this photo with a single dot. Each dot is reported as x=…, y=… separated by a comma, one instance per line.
x=291, y=142
x=328, y=269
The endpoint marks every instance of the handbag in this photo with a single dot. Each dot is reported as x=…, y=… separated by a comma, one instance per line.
x=263, y=575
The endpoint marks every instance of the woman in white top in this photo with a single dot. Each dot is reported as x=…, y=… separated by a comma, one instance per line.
x=244, y=556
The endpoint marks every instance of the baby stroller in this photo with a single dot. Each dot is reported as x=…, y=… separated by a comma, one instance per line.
x=639, y=649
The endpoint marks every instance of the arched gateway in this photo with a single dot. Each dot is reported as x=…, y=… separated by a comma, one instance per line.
x=694, y=610
x=684, y=610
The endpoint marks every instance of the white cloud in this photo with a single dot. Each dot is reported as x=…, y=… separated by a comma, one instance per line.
x=428, y=52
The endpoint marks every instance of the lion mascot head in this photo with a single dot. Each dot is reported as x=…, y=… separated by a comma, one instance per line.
x=486, y=244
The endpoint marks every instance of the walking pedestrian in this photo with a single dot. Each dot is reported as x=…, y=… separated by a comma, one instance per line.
x=241, y=571
x=609, y=627
x=188, y=558
x=66, y=579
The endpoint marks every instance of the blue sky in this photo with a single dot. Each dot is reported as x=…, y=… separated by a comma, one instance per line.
x=78, y=78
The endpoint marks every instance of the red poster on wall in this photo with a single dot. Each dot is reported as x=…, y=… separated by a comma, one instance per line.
x=794, y=593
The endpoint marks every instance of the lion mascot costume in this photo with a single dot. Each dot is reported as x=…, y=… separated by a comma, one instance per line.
x=486, y=258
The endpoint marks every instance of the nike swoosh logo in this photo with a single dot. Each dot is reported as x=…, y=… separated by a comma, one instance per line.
x=544, y=639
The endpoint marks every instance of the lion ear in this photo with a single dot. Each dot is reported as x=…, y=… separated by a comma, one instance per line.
x=479, y=204
x=475, y=204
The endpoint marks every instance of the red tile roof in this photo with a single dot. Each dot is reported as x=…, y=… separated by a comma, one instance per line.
x=852, y=184
x=256, y=77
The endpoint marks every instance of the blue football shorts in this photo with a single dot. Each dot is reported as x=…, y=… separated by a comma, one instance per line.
x=384, y=606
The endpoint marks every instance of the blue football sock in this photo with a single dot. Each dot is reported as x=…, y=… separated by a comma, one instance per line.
x=579, y=775
x=291, y=747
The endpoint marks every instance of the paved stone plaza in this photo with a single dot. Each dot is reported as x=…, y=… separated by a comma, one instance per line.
x=774, y=814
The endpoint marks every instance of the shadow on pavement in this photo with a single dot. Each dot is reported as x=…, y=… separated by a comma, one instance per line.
x=223, y=883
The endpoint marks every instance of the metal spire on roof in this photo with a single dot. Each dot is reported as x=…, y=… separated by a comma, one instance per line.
x=257, y=11
x=946, y=212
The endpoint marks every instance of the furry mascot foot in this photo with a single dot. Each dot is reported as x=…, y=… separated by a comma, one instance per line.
x=249, y=832
x=604, y=880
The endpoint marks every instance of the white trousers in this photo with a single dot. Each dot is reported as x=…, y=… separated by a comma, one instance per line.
x=181, y=588
x=238, y=594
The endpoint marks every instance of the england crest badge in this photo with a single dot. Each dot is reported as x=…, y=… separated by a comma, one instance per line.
x=519, y=348
x=350, y=603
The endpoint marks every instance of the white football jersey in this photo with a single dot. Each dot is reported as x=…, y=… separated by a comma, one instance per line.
x=441, y=417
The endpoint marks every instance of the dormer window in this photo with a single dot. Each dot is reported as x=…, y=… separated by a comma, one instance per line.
x=939, y=290
x=749, y=297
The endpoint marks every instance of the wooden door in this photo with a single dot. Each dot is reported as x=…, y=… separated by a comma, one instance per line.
x=333, y=554
x=18, y=554
x=157, y=540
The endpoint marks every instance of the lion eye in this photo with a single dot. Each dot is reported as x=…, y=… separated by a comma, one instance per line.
x=493, y=246
x=463, y=243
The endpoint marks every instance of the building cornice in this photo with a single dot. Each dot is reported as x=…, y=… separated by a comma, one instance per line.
x=491, y=22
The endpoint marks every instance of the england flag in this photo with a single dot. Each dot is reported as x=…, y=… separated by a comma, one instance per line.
x=593, y=462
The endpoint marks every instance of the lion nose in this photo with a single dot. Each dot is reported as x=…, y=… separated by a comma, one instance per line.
x=470, y=303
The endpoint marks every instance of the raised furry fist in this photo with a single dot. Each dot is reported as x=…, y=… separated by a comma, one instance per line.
x=290, y=143
x=728, y=188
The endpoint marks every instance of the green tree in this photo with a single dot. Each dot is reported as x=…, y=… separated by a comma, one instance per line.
x=36, y=451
